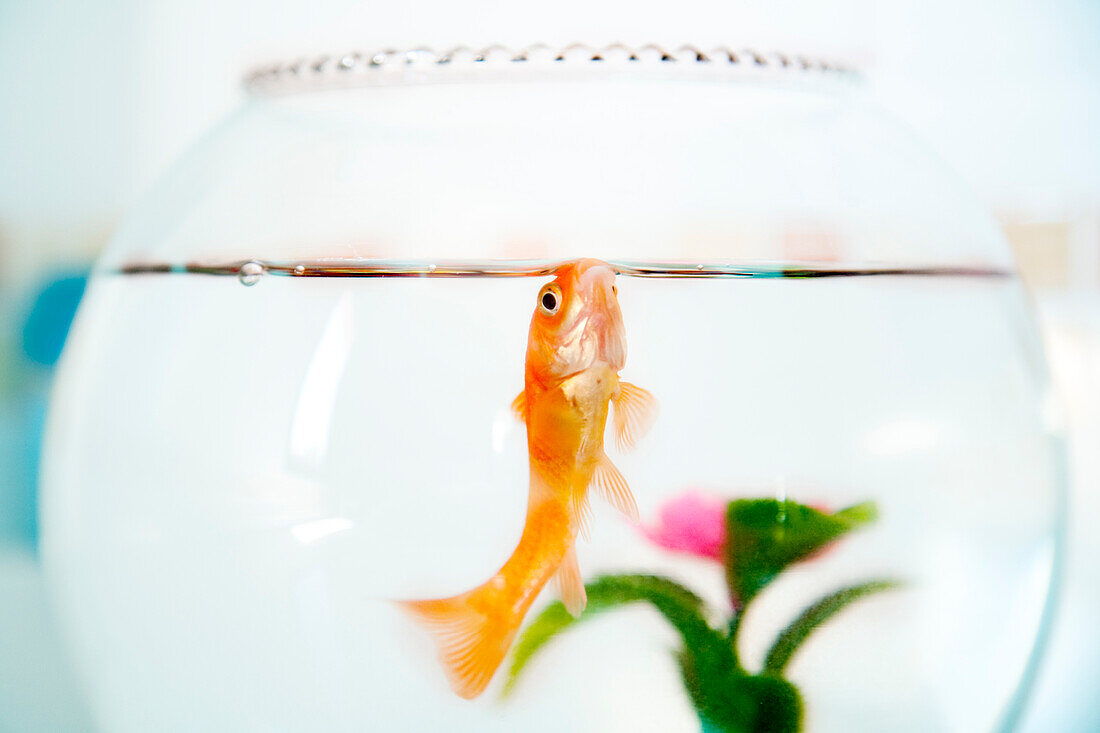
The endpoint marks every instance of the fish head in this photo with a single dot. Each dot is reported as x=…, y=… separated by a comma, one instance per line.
x=577, y=323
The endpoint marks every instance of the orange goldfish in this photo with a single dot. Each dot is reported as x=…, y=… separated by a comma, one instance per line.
x=576, y=347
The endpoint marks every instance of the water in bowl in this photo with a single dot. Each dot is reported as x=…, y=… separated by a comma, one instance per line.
x=243, y=481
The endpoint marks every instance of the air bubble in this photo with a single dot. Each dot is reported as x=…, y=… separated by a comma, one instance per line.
x=300, y=270
x=250, y=273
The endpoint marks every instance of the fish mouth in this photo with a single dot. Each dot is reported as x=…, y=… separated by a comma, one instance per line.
x=603, y=316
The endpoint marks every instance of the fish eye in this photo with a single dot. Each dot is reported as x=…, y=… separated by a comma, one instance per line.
x=550, y=299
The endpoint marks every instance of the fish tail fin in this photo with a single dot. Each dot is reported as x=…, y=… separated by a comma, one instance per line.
x=471, y=642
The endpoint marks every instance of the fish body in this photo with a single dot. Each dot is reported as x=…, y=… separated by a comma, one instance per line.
x=576, y=348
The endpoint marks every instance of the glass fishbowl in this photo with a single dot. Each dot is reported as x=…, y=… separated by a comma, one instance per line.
x=555, y=389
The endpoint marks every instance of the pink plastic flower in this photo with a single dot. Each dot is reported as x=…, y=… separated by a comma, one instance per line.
x=693, y=523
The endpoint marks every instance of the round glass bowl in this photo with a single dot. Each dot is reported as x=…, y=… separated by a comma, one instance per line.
x=283, y=430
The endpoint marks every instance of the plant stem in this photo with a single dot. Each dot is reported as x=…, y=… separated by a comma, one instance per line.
x=731, y=636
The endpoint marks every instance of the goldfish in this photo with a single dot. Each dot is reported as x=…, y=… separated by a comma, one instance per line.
x=576, y=346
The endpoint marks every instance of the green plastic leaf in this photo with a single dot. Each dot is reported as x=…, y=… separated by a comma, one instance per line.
x=767, y=535
x=788, y=642
x=680, y=607
x=553, y=620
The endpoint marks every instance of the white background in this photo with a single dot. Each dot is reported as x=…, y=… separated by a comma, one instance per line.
x=97, y=97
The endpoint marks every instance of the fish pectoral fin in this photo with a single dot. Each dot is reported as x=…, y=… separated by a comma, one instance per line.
x=519, y=406
x=580, y=514
x=570, y=585
x=611, y=485
x=635, y=411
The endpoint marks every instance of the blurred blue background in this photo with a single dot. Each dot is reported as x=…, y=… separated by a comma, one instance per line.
x=37, y=689
x=27, y=369
x=98, y=97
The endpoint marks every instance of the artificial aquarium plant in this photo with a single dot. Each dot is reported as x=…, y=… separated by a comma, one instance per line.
x=755, y=540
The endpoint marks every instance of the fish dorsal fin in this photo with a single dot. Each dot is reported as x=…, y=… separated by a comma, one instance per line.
x=635, y=411
x=519, y=406
x=580, y=513
x=570, y=585
x=611, y=485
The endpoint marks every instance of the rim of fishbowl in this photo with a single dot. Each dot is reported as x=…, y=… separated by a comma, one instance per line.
x=421, y=65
